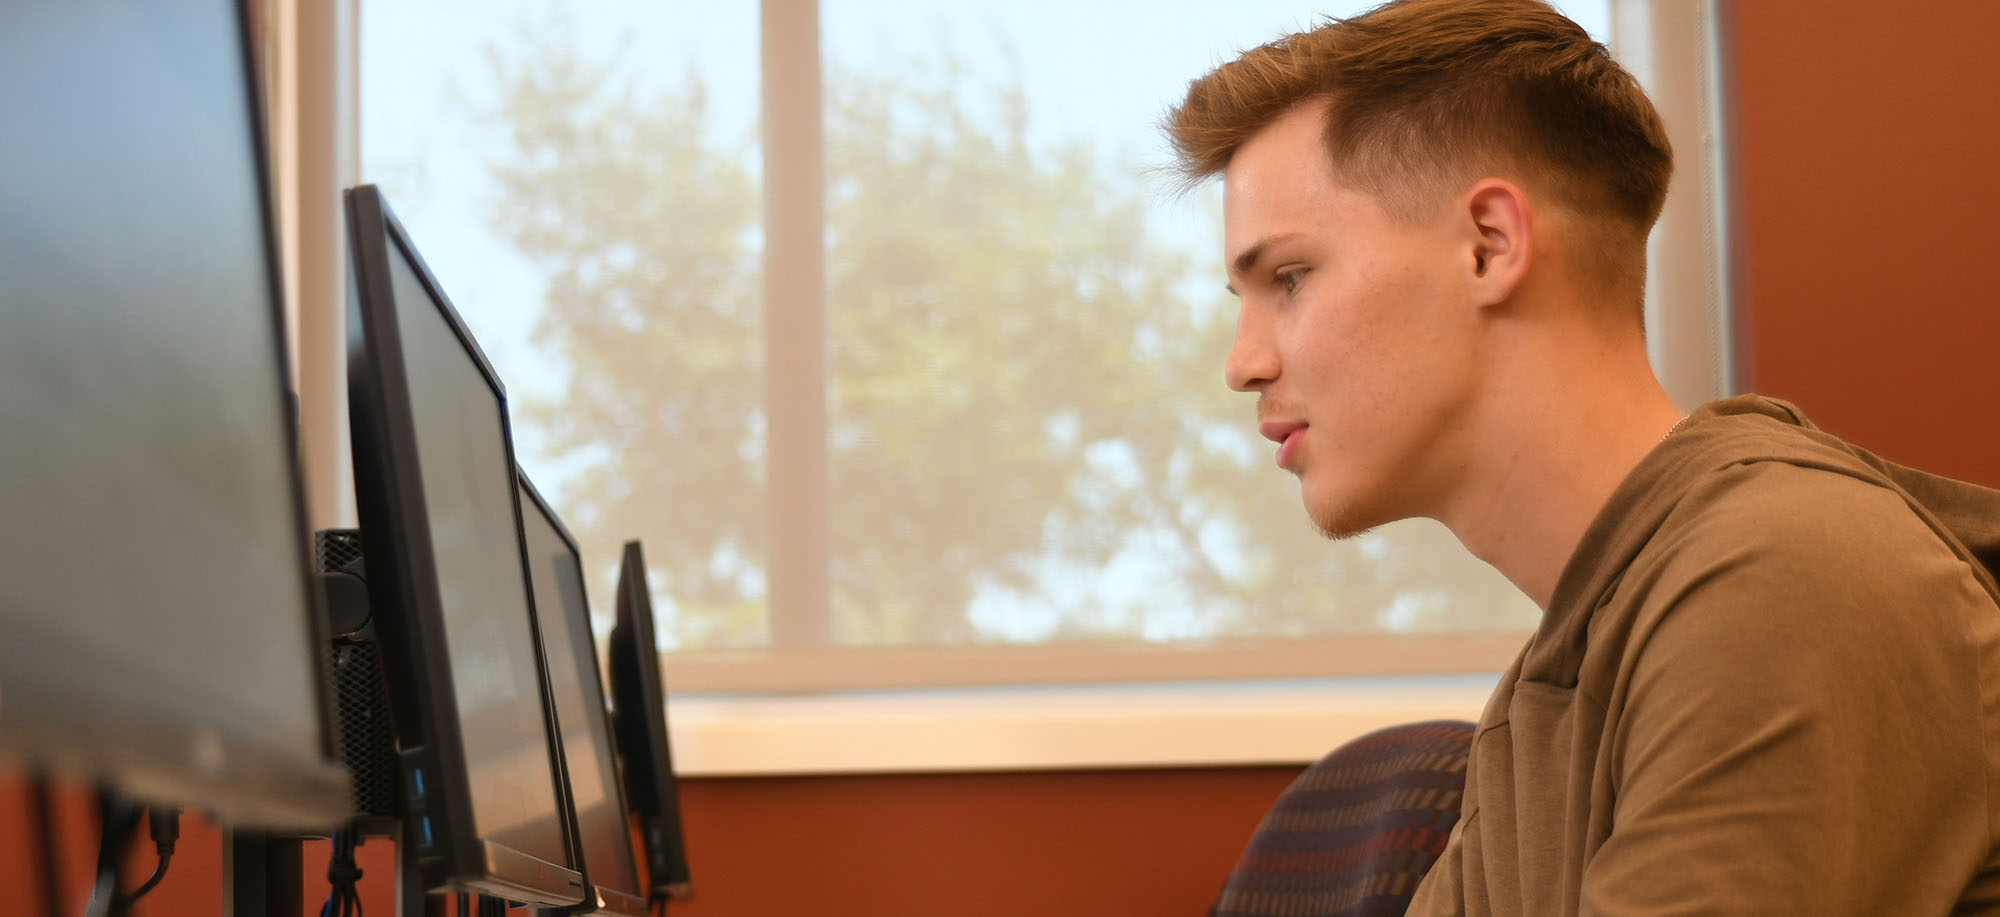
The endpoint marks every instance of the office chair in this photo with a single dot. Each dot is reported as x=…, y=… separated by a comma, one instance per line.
x=1355, y=833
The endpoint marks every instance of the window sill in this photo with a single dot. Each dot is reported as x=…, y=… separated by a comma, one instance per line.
x=1053, y=728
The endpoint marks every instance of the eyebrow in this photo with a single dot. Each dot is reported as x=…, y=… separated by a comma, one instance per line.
x=1248, y=259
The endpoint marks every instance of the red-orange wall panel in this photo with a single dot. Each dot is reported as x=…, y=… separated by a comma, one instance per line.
x=971, y=845
x=1868, y=135
x=1070, y=843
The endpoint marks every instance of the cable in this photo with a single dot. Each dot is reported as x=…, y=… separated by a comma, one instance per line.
x=44, y=823
x=118, y=818
x=343, y=899
x=153, y=881
x=165, y=827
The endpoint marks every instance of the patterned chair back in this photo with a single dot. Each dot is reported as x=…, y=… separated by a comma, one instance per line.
x=1355, y=833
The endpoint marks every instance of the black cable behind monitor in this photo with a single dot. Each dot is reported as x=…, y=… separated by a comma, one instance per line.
x=164, y=825
x=343, y=875
x=44, y=826
x=117, y=819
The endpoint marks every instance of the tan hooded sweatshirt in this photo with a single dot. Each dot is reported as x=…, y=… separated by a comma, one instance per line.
x=1768, y=682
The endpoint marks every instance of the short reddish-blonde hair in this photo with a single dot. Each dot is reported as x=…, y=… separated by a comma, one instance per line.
x=1425, y=96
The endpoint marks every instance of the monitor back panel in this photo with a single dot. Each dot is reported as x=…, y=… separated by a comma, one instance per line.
x=153, y=566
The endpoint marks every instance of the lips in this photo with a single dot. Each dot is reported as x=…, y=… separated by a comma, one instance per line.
x=1288, y=434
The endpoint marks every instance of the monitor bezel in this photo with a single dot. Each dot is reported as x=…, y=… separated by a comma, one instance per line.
x=608, y=900
x=390, y=498
x=255, y=786
x=633, y=638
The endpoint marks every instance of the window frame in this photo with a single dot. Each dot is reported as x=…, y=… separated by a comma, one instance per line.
x=716, y=694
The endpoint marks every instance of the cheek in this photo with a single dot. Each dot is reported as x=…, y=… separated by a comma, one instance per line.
x=1390, y=351
x=1411, y=323
x=1354, y=341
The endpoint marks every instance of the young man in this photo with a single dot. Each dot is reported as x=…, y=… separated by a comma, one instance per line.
x=1767, y=677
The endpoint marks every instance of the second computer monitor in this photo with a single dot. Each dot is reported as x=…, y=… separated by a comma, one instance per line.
x=448, y=582
x=563, y=612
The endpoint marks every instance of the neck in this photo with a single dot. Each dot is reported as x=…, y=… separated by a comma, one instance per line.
x=1567, y=418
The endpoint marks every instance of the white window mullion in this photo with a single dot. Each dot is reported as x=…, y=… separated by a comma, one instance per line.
x=313, y=91
x=795, y=327
x=1670, y=45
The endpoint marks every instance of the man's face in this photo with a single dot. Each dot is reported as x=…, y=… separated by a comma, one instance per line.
x=1354, y=329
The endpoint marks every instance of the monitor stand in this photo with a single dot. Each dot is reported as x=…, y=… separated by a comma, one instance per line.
x=263, y=874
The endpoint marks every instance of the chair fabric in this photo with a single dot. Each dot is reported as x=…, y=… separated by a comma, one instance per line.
x=1357, y=831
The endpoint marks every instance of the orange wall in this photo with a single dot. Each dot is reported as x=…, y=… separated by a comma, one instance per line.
x=1868, y=135
x=972, y=845
x=1866, y=140
x=193, y=884
x=968, y=845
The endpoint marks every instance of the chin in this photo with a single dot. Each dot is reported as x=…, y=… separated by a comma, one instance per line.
x=1338, y=519
x=1343, y=514
x=1337, y=527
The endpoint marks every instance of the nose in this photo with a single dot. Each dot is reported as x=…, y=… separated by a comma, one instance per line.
x=1253, y=361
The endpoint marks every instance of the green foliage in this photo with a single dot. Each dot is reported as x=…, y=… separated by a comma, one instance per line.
x=1019, y=389
x=648, y=238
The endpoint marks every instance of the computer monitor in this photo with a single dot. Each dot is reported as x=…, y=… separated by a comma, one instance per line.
x=158, y=629
x=448, y=582
x=640, y=704
x=603, y=832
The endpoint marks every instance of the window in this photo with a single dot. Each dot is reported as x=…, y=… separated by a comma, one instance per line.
x=919, y=384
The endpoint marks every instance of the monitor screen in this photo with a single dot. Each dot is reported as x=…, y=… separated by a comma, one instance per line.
x=447, y=579
x=563, y=611
x=640, y=701
x=160, y=629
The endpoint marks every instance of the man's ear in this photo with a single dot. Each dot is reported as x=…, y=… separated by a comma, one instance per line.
x=1501, y=237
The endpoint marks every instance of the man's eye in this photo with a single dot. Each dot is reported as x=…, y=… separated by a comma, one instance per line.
x=1290, y=280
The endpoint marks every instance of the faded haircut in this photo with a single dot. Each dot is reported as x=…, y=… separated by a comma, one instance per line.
x=1426, y=96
